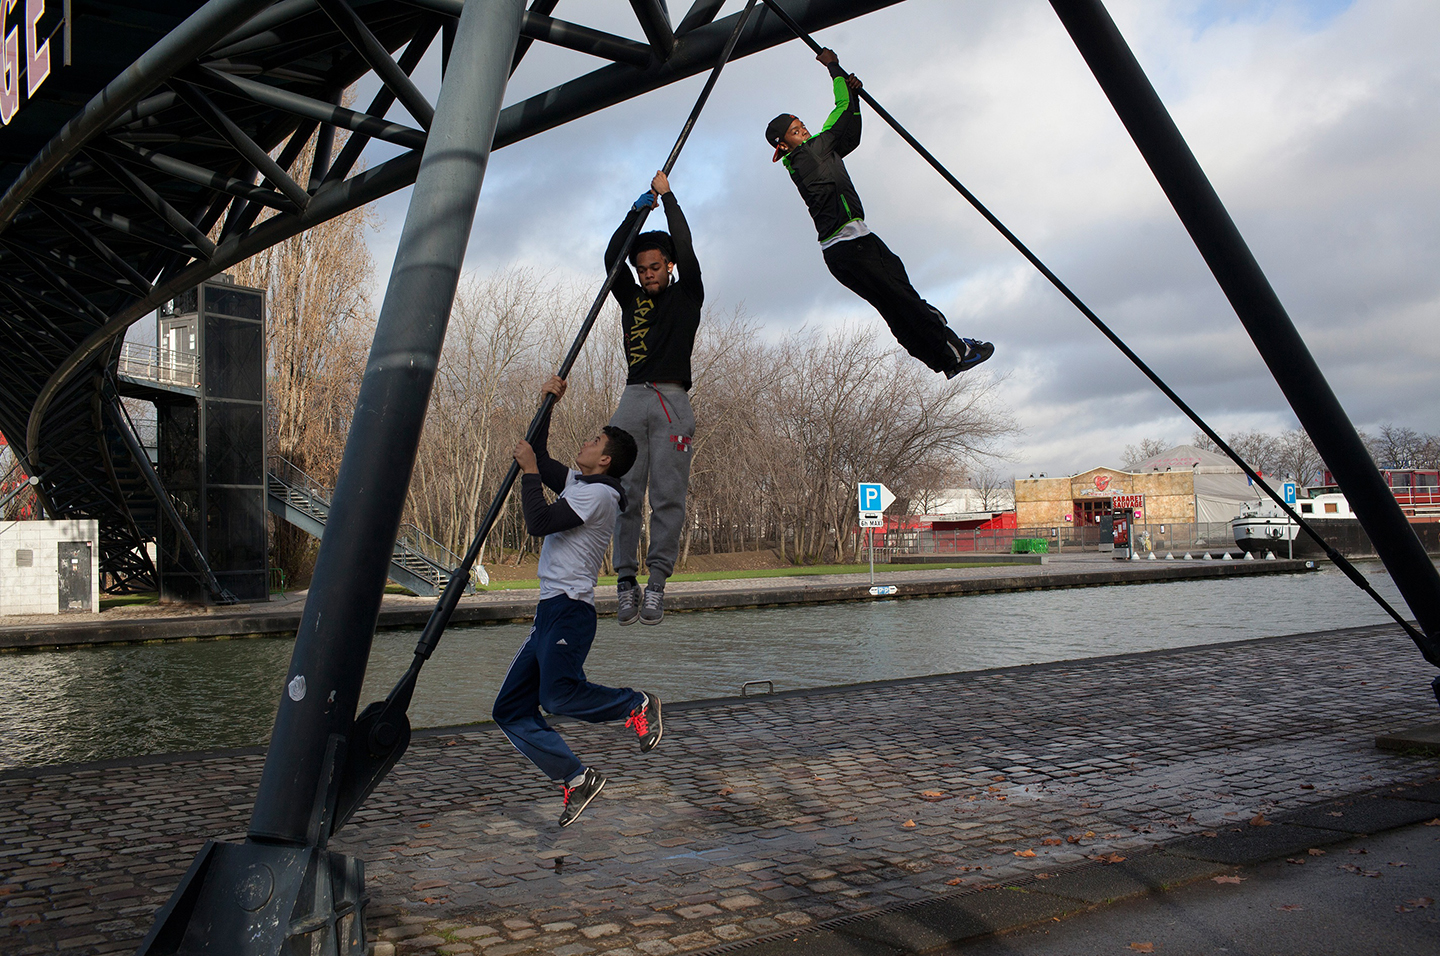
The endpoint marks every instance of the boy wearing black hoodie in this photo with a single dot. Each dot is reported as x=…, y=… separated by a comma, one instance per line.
x=660, y=304
x=549, y=669
x=853, y=253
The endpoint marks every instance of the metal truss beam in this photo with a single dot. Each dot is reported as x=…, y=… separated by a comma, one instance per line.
x=655, y=21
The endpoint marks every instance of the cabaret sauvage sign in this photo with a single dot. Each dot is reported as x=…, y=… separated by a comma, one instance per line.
x=26, y=51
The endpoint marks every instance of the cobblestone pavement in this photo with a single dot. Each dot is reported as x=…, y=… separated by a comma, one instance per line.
x=755, y=815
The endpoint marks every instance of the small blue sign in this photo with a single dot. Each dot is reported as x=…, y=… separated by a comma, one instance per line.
x=1288, y=490
x=870, y=497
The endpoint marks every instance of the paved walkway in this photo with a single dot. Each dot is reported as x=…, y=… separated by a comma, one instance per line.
x=282, y=615
x=763, y=815
x=1368, y=895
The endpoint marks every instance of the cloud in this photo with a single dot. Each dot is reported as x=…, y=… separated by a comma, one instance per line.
x=1314, y=120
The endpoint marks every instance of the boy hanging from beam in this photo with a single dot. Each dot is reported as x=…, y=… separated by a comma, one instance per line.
x=659, y=316
x=549, y=669
x=853, y=253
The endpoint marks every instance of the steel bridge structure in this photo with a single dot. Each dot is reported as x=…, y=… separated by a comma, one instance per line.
x=166, y=156
x=166, y=152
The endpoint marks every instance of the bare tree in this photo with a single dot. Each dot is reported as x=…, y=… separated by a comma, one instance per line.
x=316, y=339
x=1297, y=457
x=996, y=492
x=1136, y=455
x=1396, y=446
x=1202, y=441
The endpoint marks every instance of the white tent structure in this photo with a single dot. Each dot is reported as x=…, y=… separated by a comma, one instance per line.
x=1221, y=486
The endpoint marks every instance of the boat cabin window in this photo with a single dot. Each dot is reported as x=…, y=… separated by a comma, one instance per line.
x=1306, y=509
x=1331, y=508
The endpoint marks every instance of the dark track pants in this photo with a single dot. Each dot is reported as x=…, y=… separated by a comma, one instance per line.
x=867, y=267
x=549, y=672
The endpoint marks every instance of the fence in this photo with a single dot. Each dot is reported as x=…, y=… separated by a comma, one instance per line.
x=1160, y=538
x=151, y=364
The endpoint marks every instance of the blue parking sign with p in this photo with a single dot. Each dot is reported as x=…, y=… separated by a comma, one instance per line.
x=1289, y=492
x=870, y=497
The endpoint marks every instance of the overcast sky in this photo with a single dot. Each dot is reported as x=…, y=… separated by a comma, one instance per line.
x=1318, y=122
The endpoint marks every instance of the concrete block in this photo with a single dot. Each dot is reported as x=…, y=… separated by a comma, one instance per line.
x=947, y=921
x=1146, y=873
x=1366, y=815
x=1255, y=844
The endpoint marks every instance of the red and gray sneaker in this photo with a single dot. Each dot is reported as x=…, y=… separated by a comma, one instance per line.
x=578, y=797
x=645, y=720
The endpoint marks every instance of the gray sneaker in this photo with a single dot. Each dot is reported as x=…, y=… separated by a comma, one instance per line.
x=577, y=798
x=628, y=596
x=653, y=611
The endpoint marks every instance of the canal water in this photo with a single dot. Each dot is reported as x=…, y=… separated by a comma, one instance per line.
x=107, y=702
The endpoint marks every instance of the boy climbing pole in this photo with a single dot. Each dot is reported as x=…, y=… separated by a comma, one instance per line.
x=549, y=670
x=853, y=253
x=659, y=317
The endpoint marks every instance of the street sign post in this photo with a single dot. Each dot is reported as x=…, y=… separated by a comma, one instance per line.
x=1288, y=492
x=873, y=499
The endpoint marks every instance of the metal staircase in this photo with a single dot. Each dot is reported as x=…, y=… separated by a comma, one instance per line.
x=419, y=562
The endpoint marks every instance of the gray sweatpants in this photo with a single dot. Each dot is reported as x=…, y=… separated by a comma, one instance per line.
x=658, y=417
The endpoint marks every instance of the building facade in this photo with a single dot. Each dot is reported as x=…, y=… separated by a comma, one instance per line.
x=1166, y=497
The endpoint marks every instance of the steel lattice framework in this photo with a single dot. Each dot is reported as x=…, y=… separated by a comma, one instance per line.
x=161, y=180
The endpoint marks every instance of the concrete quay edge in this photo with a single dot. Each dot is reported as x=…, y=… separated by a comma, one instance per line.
x=766, y=592
x=938, y=923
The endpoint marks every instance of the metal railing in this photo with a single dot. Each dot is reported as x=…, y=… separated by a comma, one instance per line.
x=415, y=551
x=1161, y=538
x=164, y=366
x=305, y=492
x=415, y=541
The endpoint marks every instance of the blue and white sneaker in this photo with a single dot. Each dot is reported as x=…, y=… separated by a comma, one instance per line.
x=968, y=354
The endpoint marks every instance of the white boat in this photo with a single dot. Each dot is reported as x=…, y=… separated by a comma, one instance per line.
x=1262, y=526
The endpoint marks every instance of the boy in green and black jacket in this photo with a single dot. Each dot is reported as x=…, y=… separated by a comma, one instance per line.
x=854, y=254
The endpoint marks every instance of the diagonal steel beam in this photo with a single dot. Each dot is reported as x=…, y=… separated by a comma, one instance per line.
x=156, y=203
x=655, y=21
x=585, y=40
x=247, y=147
x=24, y=301
x=324, y=148
x=62, y=285
x=542, y=7
x=191, y=173
x=573, y=36
x=310, y=108
x=384, y=98
x=374, y=53
x=615, y=84
x=121, y=224
x=244, y=216
x=701, y=13
x=100, y=249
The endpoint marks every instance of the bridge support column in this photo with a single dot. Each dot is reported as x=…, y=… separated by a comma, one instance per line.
x=282, y=890
x=1259, y=308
